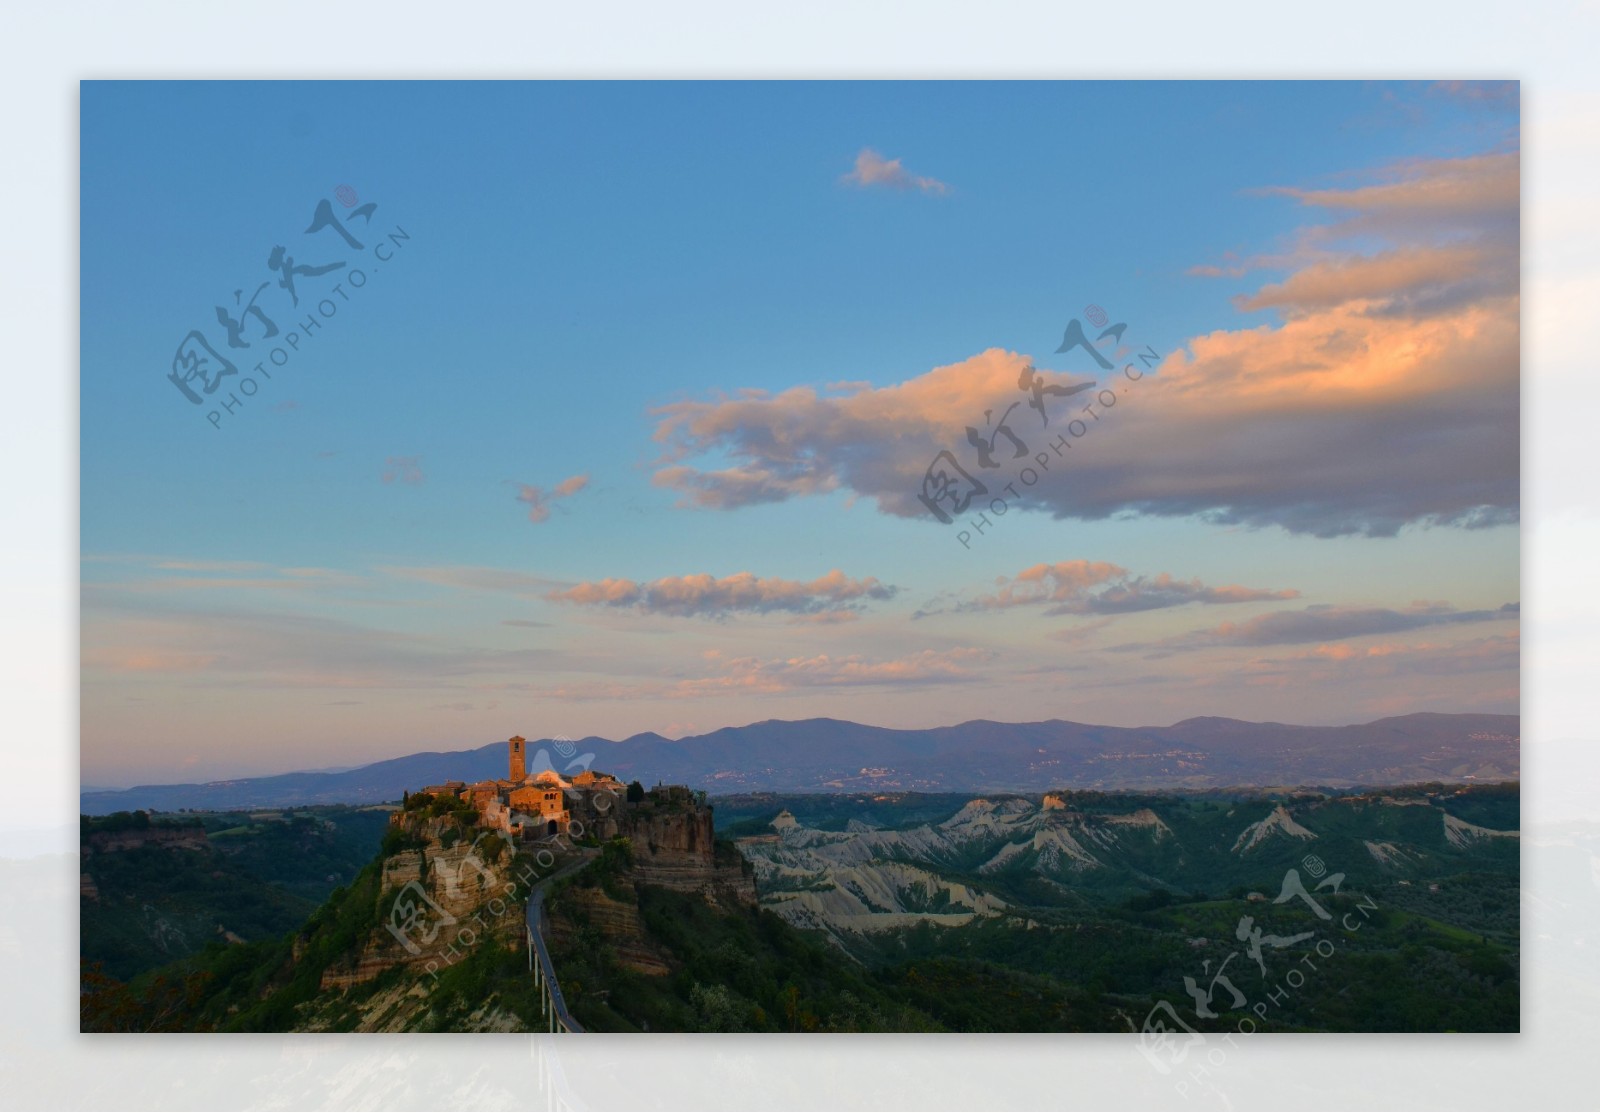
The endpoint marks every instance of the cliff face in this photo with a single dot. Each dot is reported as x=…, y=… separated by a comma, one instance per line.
x=616, y=920
x=596, y=920
x=434, y=902
x=186, y=837
x=675, y=847
x=453, y=890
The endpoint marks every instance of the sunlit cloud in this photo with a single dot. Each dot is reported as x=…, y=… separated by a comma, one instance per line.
x=1323, y=622
x=1342, y=663
x=539, y=500
x=873, y=170
x=751, y=674
x=1386, y=395
x=707, y=596
x=1083, y=587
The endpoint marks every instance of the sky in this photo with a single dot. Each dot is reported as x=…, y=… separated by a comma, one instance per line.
x=598, y=408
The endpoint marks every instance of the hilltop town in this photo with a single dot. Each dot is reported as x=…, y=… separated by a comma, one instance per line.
x=669, y=826
x=543, y=803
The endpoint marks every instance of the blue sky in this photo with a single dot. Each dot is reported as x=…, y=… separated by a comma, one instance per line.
x=1337, y=405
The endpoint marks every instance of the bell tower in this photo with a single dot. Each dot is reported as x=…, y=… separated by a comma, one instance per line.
x=519, y=758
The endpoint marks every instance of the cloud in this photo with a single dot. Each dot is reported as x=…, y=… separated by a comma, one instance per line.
x=403, y=469
x=255, y=649
x=723, y=675
x=1083, y=587
x=230, y=575
x=873, y=441
x=1327, y=664
x=1498, y=93
x=706, y=596
x=825, y=618
x=1417, y=197
x=1323, y=622
x=751, y=674
x=1081, y=633
x=475, y=578
x=539, y=501
x=872, y=169
x=210, y=565
x=1417, y=279
x=135, y=659
x=1385, y=395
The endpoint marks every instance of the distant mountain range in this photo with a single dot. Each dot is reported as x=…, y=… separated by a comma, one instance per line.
x=830, y=755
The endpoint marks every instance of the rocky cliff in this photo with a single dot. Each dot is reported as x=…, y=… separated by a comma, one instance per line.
x=674, y=846
x=670, y=844
x=166, y=836
x=614, y=919
x=444, y=894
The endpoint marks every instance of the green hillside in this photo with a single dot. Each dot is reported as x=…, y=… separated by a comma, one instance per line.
x=242, y=876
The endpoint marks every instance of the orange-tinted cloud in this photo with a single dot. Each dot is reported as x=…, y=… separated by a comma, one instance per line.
x=872, y=169
x=1323, y=622
x=707, y=596
x=1327, y=664
x=1386, y=395
x=751, y=674
x=540, y=500
x=1084, y=587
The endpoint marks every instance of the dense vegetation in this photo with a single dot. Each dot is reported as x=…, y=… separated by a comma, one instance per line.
x=734, y=971
x=1435, y=945
x=254, y=877
x=276, y=985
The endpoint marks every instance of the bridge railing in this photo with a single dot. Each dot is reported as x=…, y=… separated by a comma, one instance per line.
x=553, y=1005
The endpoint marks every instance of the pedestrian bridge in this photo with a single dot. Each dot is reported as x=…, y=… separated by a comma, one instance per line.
x=553, y=1007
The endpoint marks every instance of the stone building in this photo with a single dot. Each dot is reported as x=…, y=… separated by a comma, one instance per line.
x=544, y=803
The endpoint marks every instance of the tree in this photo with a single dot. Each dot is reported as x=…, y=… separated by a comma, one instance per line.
x=635, y=792
x=167, y=1004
